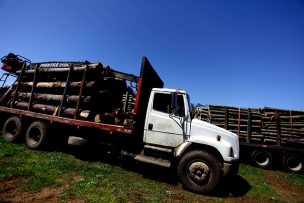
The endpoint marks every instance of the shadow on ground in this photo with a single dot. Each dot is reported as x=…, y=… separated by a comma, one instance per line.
x=235, y=186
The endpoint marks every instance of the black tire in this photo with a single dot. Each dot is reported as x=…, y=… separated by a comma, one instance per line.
x=262, y=159
x=293, y=163
x=199, y=171
x=35, y=136
x=12, y=129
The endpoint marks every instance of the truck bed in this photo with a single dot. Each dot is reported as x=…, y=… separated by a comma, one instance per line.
x=82, y=94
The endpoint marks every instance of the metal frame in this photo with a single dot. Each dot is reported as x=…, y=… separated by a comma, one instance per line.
x=18, y=84
x=33, y=89
x=67, y=84
x=81, y=90
x=69, y=121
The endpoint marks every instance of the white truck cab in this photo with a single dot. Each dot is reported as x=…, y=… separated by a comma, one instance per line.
x=202, y=152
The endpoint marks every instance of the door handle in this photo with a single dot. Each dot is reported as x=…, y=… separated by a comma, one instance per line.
x=150, y=126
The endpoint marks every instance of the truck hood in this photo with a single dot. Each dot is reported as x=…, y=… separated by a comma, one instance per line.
x=206, y=133
x=211, y=127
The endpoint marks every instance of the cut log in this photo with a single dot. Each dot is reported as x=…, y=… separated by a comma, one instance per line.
x=52, y=97
x=56, y=84
x=45, y=108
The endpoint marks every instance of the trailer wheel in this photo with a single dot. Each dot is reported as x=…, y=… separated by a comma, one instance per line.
x=12, y=129
x=199, y=171
x=293, y=163
x=262, y=159
x=35, y=135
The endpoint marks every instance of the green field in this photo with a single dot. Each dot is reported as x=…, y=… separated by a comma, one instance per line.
x=82, y=175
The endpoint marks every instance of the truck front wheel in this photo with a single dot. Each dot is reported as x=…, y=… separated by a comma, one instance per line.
x=35, y=135
x=199, y=171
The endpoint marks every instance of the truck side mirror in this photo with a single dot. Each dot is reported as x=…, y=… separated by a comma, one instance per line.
x=173, y=102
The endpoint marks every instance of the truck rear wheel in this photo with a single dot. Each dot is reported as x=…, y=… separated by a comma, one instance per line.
x=12, y=129
x=293, y=163
x=35, y=135
x=262, y=158
x=199, y=171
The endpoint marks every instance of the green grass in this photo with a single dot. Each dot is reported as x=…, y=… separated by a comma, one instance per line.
x=260, y=189
x=8, y=149
x=295, y=179
x=94, y=182
x=2, y=200
x=40, y=168
x=101, y=182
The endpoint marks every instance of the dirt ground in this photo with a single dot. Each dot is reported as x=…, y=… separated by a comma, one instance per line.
x=284, y=188
x=12, y=190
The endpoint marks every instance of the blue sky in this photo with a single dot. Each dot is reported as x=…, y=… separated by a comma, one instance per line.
x=230, y=52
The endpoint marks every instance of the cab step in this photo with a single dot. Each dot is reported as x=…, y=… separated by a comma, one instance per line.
x=152, y=160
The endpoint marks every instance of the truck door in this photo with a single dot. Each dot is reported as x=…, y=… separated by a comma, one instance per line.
x=163, y=126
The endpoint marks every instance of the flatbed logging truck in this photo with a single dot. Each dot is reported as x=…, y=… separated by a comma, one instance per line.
x=90, y=102
x=268, y=137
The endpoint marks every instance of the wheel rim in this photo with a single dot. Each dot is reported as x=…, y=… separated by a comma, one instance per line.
x=34, y=136
x=262, y=159
x=11, y=129
x=294, y=163
x=199, y=172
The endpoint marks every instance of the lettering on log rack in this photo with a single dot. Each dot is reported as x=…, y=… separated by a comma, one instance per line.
x=75, y=90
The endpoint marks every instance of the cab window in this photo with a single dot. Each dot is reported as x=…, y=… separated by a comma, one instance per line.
x=162, y=103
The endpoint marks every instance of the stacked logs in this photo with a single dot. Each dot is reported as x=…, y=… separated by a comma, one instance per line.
x=76, y=90
x=282, y=126
x=266, y=125
x=233, y=119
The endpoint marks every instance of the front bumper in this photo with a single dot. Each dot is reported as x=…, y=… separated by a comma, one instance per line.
x=231, y=168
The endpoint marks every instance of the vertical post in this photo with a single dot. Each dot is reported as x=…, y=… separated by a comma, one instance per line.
x=210, y=114
x=67, y=84
x=239, y=121
x=249, y=123
x=125, y=104
x=278, y=120
x=18, y=84
x=81, y=91
x=226, y=118
x=291, y=124
x=33, y=88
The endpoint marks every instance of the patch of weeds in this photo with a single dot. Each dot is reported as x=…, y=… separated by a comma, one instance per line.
x=2, y=200
x=41, y=168
x=64, y=162
x=36, y=183
x=249, y=171
x=91, y=184
x=261, y=189
x=105, y=183
x=9, y=149
x=101, y=170
x=295, y=179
